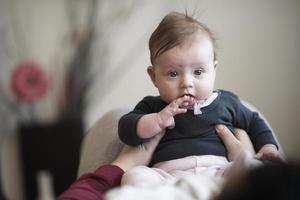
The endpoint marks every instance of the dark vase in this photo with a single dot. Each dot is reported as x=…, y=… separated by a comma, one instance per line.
x=54, y=148
x=1, y=192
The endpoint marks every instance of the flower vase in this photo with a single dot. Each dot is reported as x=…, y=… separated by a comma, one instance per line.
x=54, y=148
x=1, y=189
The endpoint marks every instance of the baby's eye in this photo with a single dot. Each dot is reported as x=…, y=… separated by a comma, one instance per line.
x=172, y=73
x=198, y=72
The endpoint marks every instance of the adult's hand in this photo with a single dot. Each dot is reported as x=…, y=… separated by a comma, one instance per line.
x=138, y=155
x=234, y=143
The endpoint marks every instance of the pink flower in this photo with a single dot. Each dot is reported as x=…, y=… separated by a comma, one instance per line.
x=28, y=82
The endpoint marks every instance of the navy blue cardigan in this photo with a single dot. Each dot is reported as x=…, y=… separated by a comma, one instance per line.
x=195, y=134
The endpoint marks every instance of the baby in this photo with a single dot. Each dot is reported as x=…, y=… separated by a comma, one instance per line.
x=184, y=66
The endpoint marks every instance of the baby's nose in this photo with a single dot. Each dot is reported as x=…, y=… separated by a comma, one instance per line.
x=186, y=82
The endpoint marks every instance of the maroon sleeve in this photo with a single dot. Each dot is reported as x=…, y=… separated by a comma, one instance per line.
x=93, y=186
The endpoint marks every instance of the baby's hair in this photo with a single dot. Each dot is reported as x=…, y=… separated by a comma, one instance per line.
x=173, y=30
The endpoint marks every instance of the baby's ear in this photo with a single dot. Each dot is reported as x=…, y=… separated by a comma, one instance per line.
x=151, y=73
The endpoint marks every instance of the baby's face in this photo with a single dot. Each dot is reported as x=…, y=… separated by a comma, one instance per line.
x=187, y=69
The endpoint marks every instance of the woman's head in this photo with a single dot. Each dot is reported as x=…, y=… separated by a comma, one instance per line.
x=173, y=30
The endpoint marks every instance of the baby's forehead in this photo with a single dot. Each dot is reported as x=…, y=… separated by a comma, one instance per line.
x=188, y=54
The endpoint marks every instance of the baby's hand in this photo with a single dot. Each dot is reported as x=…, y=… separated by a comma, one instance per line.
x=269, y=152
x=187, y=101
x=166, y=115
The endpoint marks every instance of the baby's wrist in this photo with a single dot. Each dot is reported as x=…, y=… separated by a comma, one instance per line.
x=159, y=121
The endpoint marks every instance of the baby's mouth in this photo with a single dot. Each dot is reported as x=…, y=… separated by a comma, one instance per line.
x=190, y=95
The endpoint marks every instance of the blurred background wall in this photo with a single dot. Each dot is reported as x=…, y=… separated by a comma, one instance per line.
x=258, y=55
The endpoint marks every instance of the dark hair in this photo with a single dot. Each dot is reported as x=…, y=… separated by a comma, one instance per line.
x=173, y=30
x=271, y=181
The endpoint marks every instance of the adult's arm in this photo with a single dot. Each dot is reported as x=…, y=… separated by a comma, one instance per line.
x=92, y=186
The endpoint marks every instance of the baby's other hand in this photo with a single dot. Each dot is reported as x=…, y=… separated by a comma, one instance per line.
x=270, y=152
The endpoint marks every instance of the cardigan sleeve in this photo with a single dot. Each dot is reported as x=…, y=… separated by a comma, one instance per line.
x=92, y=186
x=127, y=127
x=256, y=127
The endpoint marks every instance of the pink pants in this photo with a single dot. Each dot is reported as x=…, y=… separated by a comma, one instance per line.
x=192, y=165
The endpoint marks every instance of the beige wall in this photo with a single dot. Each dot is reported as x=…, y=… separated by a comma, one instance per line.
x=259, y=47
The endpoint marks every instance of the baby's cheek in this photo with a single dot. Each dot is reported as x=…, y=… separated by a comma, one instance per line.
x=203, y=94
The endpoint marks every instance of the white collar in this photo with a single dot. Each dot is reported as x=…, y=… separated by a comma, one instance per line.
x=203, y=103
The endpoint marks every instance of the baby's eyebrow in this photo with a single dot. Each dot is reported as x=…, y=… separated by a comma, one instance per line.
x=201, y=64
x=172, y=65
